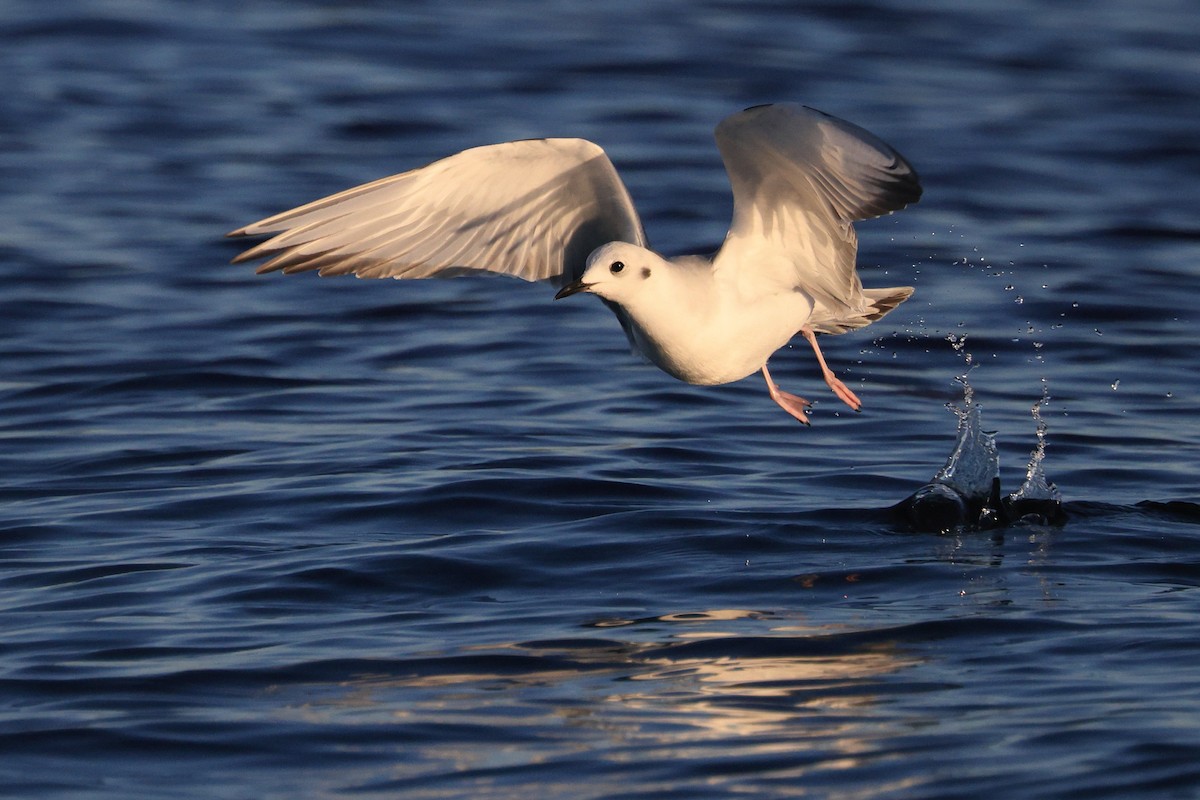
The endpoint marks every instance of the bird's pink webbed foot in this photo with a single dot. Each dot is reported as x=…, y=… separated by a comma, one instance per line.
x=792, y=404
x=840, y=389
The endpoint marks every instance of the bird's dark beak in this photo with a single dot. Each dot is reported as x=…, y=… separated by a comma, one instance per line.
x=575, y=287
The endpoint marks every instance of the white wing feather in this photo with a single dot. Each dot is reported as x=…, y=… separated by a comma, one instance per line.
x=532, y=209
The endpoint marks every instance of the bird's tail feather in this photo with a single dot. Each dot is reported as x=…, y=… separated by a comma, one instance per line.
x=879, y=303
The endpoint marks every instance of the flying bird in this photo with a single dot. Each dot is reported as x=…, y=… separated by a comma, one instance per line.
x=555, y=210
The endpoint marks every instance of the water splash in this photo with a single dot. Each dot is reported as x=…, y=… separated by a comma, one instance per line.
x=974, y=463
x=1037, y=486
x=1037, y=499
x=973, y=468
x=965, y=492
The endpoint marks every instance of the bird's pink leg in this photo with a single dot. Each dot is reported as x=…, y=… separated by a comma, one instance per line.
x=840, y=389
x=790, y=403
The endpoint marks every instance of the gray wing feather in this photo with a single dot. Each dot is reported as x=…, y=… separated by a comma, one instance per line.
x=800, y=178
x=532, y=209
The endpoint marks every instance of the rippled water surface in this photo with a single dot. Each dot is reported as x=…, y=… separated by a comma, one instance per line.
x=292, y=537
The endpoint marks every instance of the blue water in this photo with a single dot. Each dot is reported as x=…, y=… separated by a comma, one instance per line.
x=278, y=537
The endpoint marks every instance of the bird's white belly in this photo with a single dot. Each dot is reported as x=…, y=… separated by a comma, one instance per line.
x=728, y=345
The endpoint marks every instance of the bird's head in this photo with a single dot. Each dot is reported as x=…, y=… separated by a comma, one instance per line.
x=617, y=271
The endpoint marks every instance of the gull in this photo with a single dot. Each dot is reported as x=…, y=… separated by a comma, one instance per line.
x=555, y=210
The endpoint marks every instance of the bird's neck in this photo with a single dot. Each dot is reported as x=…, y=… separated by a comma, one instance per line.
x=672, y=317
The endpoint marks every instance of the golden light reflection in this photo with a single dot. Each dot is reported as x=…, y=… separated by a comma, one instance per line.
x=679, y=687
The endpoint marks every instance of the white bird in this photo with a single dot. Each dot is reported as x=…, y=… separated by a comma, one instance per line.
x=555, y=210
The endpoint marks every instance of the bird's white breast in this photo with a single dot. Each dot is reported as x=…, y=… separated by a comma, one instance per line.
x=703, y=331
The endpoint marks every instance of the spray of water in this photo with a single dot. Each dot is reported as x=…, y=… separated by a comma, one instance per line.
x=1037, y=486
x=965, y=492
x=974, y=463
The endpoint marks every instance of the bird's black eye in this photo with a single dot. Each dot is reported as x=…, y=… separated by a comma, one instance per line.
x=617, y=266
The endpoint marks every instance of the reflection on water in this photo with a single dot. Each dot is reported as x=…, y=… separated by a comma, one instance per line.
x=801, y=698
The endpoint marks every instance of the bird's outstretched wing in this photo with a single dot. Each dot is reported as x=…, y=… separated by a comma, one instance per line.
x=800, y=179
x=532, y=209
